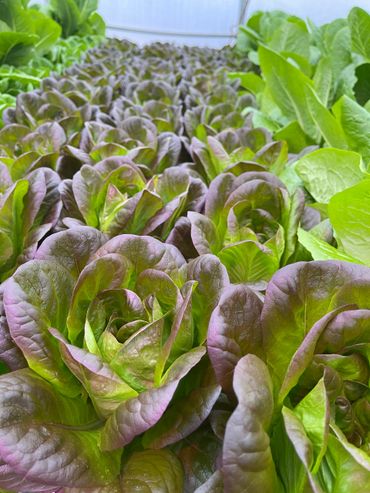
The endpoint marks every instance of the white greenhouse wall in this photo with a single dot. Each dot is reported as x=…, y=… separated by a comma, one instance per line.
x=206, y=17
x=144, y=21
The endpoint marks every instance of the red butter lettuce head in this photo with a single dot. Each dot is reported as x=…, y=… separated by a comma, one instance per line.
x=29, y=208
x=122, y=323
x=312, y=331
x=23, y=150
x=250, y=222
x=115, y=197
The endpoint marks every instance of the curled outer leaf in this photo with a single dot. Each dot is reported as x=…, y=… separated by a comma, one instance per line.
x=145, y=252
x=72, y=248
x=247, y=460
x=37, y=298
x=50, y=439
x=234, y=330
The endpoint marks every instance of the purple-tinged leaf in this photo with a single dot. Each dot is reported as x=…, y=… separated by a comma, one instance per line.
x=37, y=298
x=200, y=454
x=72, y=248
x=110, y=271
x=180, y=237
x=10, y=354
x=204, y=234
x=297, y=297
x=234, y=331
x=305, y=352
x=211, y=278
x=137, y=415
x=247, y=460
x=106, y=390
x=144, y=253
x=49, y=439
x=184, y=417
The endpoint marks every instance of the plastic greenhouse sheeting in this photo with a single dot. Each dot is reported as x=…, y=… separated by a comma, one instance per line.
x=203, y=22
x=216, y=20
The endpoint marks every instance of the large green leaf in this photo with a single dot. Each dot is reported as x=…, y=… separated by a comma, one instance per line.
x=73, y=14
x=46, y=29
x=320, y=250
x=328, y=171
x=336, y=46
x=249, y=261
x=343, y=463
x=327, y=124
x=16, y=48
x=291, y=37
x=350, y=217
x=359, y=23
x=313, y=412
x=293, y=453
x=67, y=14
x=8, y=12
x=287, y=85
x=355, y=122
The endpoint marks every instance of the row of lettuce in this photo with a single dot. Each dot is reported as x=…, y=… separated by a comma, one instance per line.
x=35, y=40
x=312, y=89
x=163, y=327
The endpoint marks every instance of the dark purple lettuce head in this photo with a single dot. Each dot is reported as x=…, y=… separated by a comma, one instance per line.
x=250, y=222
x=115, y=197
x=119, y=328
x=298, y=363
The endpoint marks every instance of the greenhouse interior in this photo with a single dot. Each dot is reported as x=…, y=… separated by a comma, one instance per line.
x=184, y=246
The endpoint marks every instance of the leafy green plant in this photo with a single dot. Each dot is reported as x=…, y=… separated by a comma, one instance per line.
x=24, y=31
x=16, y=80
x=311, y=81
x=77, y=17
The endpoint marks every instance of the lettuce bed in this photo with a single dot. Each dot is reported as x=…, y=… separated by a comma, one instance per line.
x=163, y=326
